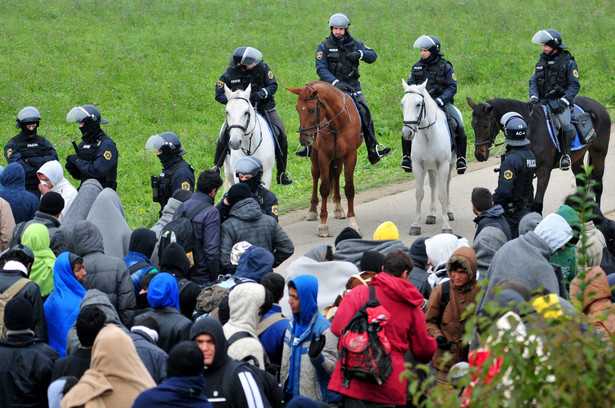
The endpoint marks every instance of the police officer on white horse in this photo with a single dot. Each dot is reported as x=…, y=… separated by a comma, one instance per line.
x=442, y=87
x=337, y=62
x=246, y=66
x=555, y=82
x=515, y=191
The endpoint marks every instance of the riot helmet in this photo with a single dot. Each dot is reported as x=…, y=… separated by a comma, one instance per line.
x=250, y=165
x=429, y=42
x=28, y=116
x=168, y=142
x=339, y=20
x=550, y=37
x=515, y=129
x=243, y=57
x=90, y=116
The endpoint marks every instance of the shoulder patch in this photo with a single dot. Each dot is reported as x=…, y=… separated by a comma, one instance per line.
x=508, y=174
x=9, y=152
x=220, y=84
x=319, y=55
x=186, y=186
x=367, y=47
x=275, y=210
x=107, y=154
x=575, y=73
x=270, y=75
x=454, y=77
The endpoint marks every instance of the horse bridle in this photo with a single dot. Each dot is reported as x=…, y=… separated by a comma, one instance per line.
x=419, y=119
x=244, y=129
x=317, y=126
x=495, y=129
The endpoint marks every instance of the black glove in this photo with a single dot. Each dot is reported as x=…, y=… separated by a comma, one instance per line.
x=72, y=169
x=533, y=100
x=354, y=56
x=443, y=343
x=344, y=87
x=262, y=94
x=253, y=98
x=561, y=107
x=73, y=158
x=316, y=345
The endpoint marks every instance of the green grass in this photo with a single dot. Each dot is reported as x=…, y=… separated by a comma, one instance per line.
x=151, y=66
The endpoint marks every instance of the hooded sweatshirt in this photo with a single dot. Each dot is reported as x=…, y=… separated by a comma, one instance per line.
x=439, y=249
x=62, y=306
x=175, y=262
x=36, y=237
x=596, y=300
x=244, y=303
x=142, y=243
x=23, y=203
x=54, y=172
x=107, y=214
x=254, y=264
x=485, y=245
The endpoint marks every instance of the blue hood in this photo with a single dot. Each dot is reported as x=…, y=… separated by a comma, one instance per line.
x=307, y=289
x=162, y=291
x=13, y=176
x=254, y=263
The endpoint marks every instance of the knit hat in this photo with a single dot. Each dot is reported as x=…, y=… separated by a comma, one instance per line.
x=418, y=252
x=372, y=261
x=238, y=192
x=18, y=314
x=347, y=233
x=143, y=241
x=238, y=250
x=386, y=230
x=185, y=360
x=51, y=203
x=182, y=195
x=73, y=259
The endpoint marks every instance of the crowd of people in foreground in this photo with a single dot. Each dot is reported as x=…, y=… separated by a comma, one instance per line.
x=95, y=314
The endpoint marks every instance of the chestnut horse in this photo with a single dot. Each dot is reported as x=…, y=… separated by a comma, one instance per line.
x=329, y=122
x=486, y=124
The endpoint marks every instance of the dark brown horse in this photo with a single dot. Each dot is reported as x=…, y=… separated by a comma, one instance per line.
x=330, y=123
x=486, y=124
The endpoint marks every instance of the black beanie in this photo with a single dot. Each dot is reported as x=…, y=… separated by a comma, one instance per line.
x=181, y=194
x=143, y=241
x=372, y=261
x=238, y=192
x=18, y=314
x=51, y=203
x=347, y=233
x=185, y=360
x=73, y=259
x=418, y=252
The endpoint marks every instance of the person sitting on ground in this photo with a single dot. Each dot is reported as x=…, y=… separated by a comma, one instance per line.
x=486, y=244
x=36, y=237
x=144, y=334
x=185, y=383
x=23, y=203
x=107, y=214
x=487, y=212
x=51, y=177
x=594, y=294
x=140, y=248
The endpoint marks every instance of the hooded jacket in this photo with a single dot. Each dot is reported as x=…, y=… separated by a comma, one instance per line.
x=54, y=172
x=244, y=303
x=247, y=222
x=107, y=214
x=449, y=322
x=140, y=248
x=596, y=300
x=175, y=262
x=254, y=263
x=163, y=297
x=36, y=237
x=105, y=273
x=62, y=306
x=59, y=242
x=23, y=203
x=406, y=331
x=177, y=392
x=485, y=245
x=242, y=390
x=153, y=357
x=300, y=375
x=7, y=223
x=419, y=276
x=116, y=376
x=494, y=217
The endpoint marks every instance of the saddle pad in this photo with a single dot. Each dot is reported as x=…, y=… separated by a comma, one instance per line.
x=576, y=143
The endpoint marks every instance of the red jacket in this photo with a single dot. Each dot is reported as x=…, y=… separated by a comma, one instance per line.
x=407, y=329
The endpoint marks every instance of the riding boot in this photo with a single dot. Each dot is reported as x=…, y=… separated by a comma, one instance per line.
x=373, y=153
x=306, y=151
x=461, y=145
x=564, y=161
x=221, y=146
x=281, y=160
x=406, y=161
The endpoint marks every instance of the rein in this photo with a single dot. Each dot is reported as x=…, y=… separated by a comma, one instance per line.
x=244, y=128
x=419, y=119
x=317, y=127
x=495, y=129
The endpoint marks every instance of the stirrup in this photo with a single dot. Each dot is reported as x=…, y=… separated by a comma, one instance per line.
x=461, y=165
x=284, y=179
x=216, y=169
x=564, y=162
x=303, y=152
x=406, y=164
x=385, y=150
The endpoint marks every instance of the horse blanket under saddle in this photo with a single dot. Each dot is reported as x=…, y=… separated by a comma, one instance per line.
x=553, y=131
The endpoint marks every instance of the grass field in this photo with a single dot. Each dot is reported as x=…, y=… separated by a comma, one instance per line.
x=151, y=67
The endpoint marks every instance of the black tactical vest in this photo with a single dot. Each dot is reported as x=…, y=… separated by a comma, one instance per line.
x=240, y=79
x=338, y=63
x=552, y=76
x=436, y=74
x=34, y=147
x=523, y=190
x=165, y=180
x=88, y=152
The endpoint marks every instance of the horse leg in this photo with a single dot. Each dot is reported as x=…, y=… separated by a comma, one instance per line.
x=325, y=189
x=443, y=180
x=338, y=211
x=419, y=177
x=431, y=217
x=543, y=174
x=349, y=166
x=451, y=168
x=312, y=215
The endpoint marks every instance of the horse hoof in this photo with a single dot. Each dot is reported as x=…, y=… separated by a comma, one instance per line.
x=415, y=230
x=447, y=230
x=451, y=216
x=431, y=219
x=323, y=230
x=339, y=214
x=311, y=216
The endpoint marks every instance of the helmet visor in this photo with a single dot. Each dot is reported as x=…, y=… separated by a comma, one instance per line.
x=542, y=37
x=425, y=42
x=251, y=56
x=79, y=114
x=154, y=143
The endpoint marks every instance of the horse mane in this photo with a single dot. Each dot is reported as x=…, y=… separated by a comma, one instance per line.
x=505, y=105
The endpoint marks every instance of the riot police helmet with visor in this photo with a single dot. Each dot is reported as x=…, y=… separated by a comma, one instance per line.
x=430, y=43
x=168, y=142
x=515, y=129
x=245, y=58
x=339, y=20
x=549, y=37
x=27, y=115
x=249, y=165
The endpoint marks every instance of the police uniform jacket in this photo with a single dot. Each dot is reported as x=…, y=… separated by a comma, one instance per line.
x=98, y=160
x=555, y=77
x=261, y=77
x=332, y=64
x=31, y=153
x=178, y=174
x=515, y=190
x=441, y=75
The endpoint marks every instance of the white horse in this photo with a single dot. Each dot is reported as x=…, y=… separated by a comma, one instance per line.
x=249, y=135
x=425, y=124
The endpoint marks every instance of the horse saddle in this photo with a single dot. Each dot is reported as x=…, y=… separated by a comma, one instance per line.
x=555, y=128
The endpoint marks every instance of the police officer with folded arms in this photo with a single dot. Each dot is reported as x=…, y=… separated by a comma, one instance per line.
x=96, y=156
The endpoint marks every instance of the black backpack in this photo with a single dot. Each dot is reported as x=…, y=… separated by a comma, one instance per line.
x=364, y=349
x=271, y=390
x=180, y=230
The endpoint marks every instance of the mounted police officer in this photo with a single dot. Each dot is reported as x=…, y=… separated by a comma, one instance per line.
x=515, y=191
x=555, y=83
x=176, y=173
x=442, y=87
x=28, y=149
x=246, y=67
x=249, y=170
x=96, y=156
x=337, y=62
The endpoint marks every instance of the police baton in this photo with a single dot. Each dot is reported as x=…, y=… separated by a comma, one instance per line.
x=75, y=147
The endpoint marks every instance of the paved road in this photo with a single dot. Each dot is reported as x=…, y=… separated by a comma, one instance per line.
x=396, y=203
